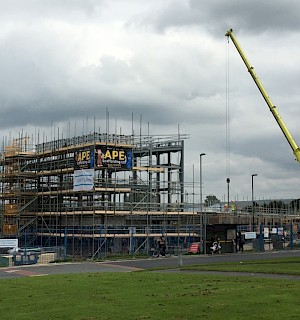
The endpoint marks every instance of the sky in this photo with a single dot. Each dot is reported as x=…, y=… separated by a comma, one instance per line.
x=167, y=67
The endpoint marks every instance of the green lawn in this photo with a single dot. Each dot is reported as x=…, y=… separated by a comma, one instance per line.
x=150, y=295
x=279, y=265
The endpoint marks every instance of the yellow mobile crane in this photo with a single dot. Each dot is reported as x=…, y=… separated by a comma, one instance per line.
x=262, y=90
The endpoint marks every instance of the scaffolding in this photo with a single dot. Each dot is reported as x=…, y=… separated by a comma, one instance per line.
x=100, y=194
x=133, y=191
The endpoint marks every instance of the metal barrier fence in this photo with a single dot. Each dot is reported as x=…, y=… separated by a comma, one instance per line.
x=106, y=241
x=268, y=238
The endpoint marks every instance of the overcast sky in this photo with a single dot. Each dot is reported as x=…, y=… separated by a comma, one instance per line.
x=167, y=63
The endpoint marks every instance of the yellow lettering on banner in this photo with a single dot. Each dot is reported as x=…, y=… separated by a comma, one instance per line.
x=107, y=154
x=115, y=154
x=122, y=155
x=83, y=155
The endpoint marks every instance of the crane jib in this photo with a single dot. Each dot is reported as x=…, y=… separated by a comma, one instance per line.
x=266, y=97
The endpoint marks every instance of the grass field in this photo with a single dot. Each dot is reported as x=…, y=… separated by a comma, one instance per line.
x=274, y=266
x=152, y=295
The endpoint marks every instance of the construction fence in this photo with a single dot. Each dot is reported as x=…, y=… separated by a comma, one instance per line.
x=268, y=238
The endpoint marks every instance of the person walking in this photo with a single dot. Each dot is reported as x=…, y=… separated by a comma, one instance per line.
x=241, y=241
x=162, y=245
x=235, y=244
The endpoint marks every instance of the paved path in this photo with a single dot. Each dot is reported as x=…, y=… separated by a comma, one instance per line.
x=62, y=268
x=138, y=264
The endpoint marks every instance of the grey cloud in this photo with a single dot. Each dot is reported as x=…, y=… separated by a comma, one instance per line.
x=217, y=16
x=248, y=16
x=167, y=82
x=35, y=10
x=39, y=75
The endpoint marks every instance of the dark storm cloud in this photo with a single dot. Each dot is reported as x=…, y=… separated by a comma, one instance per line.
x=248, y=16
x=217, y=16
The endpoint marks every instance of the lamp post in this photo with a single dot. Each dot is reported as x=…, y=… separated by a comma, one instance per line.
x=252, y=176
x=228, y=210
x=201, y=208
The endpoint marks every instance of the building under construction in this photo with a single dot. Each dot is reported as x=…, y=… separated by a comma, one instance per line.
x=94, y=193
x=105, y=193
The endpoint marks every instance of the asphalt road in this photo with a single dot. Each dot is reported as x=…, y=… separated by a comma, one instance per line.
x=136, y=264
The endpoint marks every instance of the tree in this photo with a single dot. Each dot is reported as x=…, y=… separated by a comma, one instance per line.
x=210, y=200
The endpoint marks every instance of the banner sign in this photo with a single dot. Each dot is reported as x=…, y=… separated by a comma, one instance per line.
x=277, y=231
x=9, y=243
x=113, y=157
x=266, y=232
x=250, y=235
x=84, y=158
x=83, y=180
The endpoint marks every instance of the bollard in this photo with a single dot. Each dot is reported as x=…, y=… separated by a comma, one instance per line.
x=180, y=263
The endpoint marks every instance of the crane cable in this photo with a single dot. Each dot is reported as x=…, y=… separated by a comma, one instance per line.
x=227, y=114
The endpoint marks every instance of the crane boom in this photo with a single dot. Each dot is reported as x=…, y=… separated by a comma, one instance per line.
x=265, y=95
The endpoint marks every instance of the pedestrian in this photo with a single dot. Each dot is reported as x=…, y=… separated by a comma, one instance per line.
x=235, y=244
x=215, y=245
x=162, y=245
x=241, y=241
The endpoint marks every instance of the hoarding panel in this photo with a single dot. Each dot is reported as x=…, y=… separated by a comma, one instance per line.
x=113, y=157
x=84, y=158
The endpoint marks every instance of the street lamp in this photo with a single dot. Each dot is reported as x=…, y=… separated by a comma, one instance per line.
x=228, y=182
x=201, y=208
x=252, y=176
